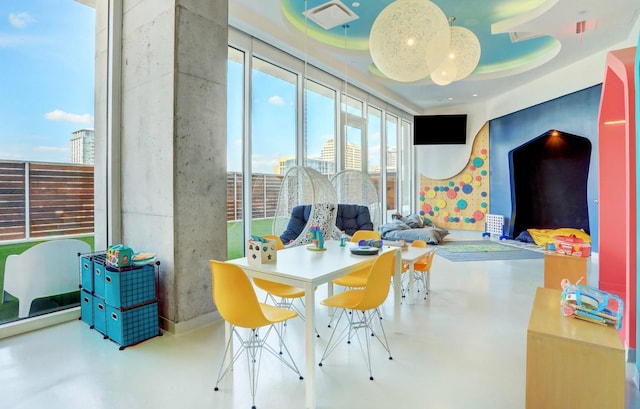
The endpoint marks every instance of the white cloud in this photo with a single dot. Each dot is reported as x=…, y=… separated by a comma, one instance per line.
x=20, y=20
x=276, y=100
x=61, y=116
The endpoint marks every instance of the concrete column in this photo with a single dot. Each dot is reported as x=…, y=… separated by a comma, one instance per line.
x=172, y=146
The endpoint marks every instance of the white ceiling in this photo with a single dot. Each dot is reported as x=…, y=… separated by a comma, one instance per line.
x=608, y=23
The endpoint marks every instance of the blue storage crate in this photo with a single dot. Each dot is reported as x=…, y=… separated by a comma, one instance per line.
x=130, y=286
x=86, y=276
x=99, y=270
x=99, y=315
x=128, y=327
x=86, y=307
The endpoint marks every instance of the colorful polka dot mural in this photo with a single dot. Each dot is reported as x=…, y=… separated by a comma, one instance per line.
x=462, y=201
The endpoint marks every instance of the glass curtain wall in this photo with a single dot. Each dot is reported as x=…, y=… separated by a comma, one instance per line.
x=405, y=168
x=320, y=128
x=273, y=138
x=47, y=78
x=264, y=138
x=235, y=132
x=391, y=160
x=351, y=155
x=374, y=142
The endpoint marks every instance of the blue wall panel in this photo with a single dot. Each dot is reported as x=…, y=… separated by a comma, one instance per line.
x=576, y=113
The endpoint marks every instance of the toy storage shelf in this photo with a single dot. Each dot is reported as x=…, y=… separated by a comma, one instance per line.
x=558, y=266
x=571, y=363
x=119, y=303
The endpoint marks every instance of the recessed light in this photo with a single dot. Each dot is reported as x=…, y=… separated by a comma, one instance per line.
x=450, y=98
x=355, y=4
x=475, y=95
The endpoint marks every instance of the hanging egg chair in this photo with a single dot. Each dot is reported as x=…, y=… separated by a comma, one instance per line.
x=306, y=198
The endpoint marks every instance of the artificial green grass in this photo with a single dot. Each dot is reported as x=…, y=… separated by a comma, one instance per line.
x=235, y=241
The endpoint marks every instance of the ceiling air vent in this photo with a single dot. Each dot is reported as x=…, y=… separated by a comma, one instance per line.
x=331, y=14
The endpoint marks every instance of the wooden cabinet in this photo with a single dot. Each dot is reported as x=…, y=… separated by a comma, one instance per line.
x=558, y=266
x=571, y=363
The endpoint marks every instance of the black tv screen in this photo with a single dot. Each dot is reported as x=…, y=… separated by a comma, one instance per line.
x=440, y=129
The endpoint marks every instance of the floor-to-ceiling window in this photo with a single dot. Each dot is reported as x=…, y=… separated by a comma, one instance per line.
x=320, y=127
x=273, y=138
x=235, y=136
x=281, y=114
x=405, y=168
x=374, y=143
x=351, y=156
x=46, y=137
x=391, y=158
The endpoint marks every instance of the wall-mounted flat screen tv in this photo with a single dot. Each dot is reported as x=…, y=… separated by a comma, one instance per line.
x=440, y=129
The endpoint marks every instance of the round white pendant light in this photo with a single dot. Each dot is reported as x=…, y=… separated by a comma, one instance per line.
x=409, y=39
x=466, y=47
x=462, y=59
x=446, y=72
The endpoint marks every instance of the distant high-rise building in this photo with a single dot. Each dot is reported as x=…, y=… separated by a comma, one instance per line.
x=391, y=158
x=82, y=146
x=322, y=166
x=353, y=154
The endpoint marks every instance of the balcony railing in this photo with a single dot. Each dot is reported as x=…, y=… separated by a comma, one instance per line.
x=39, y=200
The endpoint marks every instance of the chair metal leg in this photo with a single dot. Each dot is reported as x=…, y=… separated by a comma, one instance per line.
x=289, y=303
x=358, y=320
x=254, y=344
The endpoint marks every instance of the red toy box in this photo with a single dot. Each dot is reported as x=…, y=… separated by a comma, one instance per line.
x=572, y=246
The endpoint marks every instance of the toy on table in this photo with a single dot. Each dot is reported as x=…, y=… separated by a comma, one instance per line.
x=590, y=304
x=370, y=243
x=316, y=238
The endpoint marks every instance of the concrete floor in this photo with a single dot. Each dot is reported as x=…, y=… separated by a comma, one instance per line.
x=464, y=347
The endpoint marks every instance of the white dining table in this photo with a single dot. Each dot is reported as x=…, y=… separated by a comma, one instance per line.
x=308, y=269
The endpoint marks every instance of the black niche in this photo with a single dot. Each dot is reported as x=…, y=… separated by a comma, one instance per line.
x=549, y=183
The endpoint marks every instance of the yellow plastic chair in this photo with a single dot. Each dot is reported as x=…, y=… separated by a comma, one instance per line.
x=358, y=278
x=422, y=268
x=286, y=294
x=238, y=304
x=360, y=307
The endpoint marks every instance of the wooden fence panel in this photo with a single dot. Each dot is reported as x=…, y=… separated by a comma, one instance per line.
x=61, y=199
x=12, y=200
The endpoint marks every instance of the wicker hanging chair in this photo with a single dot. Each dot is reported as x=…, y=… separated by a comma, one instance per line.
x=306, y=199
x=355, y=187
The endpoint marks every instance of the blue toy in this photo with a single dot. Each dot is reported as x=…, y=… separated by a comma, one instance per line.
x=591, y=304
x=316, y=237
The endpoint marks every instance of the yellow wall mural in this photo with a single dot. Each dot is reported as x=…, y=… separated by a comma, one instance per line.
x=462, y=201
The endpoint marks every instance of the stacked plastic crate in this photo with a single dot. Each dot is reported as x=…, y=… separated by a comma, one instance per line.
x=119, y=303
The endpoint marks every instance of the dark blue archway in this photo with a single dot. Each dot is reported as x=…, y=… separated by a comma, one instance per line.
x=549, y=183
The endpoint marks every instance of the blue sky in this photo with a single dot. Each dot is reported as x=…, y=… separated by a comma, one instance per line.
x=46, y=77
x=47, y=91
x=273, y=108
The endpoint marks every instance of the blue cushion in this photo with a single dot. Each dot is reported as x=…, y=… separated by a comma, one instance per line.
x=297, y=222
x=351, y=218
x=525, y=237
